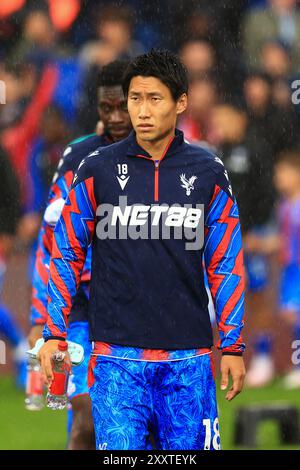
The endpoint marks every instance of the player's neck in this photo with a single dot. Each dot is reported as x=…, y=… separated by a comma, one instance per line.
x=157, y=148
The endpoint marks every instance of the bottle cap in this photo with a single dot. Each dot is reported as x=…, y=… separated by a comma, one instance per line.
x=62, y=345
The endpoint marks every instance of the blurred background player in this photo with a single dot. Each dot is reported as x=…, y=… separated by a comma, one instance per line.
x=249, y=165
x=9, y=214
x=287, y=183
x=113, y=113
x=45, y=153
x=286, y=245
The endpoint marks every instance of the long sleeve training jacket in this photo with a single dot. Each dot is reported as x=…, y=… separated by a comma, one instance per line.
x=140, y=216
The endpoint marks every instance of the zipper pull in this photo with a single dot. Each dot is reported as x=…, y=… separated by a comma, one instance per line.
x=156, y=163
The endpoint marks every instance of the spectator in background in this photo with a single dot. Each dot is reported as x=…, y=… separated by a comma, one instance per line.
x=249, y=163
x=286, y=122
x=262, y=114
x=276, y=62
x=203, y=96
x=36, y=85
x=47, y=148
x=38, y=36
x=114, y=29
x=280, y=19
x=217, y=23
x=199, y=57
x=33, y=18
x=206, y=50
x=17, y=138
x=257, y=96
x=275, y=59
x=200, y=24
x=276, y=123
x=270, y=109
x=46, y=151
x=20, y=82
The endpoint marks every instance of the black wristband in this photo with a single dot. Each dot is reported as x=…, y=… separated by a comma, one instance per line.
x=59, y=338
x=225, y=353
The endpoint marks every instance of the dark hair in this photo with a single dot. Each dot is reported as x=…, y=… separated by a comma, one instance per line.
x=112, y=73
x=290, y=157
x=161, y=64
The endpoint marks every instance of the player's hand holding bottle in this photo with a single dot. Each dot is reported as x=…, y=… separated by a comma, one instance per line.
x=45, y=356
x=56, y=368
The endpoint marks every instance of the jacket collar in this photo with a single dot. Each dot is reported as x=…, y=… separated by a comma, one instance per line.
x=135, y=149
x=106, y=138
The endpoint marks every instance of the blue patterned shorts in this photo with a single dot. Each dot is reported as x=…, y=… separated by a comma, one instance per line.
x=175, y=401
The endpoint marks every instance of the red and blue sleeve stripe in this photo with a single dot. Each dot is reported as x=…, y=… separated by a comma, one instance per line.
x=223, y=256
x=72, y=236
x=60, y=188
x=39, y=296
x=38, y=311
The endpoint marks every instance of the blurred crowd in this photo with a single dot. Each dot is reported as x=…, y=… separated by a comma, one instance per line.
x=243, y=59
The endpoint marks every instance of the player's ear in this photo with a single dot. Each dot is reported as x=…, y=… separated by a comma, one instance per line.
x=181, y=104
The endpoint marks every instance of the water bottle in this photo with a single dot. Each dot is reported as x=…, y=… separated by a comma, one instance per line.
x=34, y=400
x=57, y=398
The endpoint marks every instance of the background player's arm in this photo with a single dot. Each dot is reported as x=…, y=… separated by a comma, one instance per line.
x=38, y=310
x=225, y=270
x=72, y=236
x=39, y=297
x=267, y=245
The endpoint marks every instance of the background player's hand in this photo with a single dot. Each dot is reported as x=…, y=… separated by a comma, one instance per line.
x=45, y=355
x=35, y=333
x=232, y=366
x=99, y=128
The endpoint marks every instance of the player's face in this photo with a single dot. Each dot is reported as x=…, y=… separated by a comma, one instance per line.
x=287, y=179
x=152, y=109
x=112, y=107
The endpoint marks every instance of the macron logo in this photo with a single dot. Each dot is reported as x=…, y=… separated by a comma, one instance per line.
x=123, y=180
